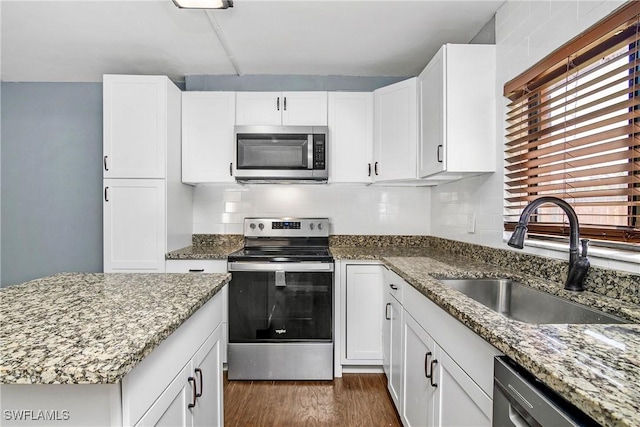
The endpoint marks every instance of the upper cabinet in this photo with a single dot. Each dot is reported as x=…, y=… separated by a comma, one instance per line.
x=395, y=132
x=457, y=96
x=207, y=136
x=135, y=126
x=281, y=108
x=350, y=137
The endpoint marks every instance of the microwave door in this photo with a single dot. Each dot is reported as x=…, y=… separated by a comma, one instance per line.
x=274, y=152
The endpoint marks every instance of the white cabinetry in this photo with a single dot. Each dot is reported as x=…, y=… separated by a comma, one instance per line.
x=208, y=119
x=134, y=218
x=363, y=321
x=396, y=131
x=392, y=335
x=457, y=113
x=147, y=210
x=281, y=108
x=447, y=370
x=194, y=397
x=350, y=136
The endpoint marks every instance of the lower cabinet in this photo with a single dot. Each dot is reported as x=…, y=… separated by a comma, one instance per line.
x=361, y=295
x=194, y=397
x=439, y=372
x=392, y=336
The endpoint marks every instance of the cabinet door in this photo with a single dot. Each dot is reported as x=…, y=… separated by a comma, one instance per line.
x=419, y=395
x=304, y=108
x=209, y=410
x=134, y=225
x=460, y=402
x=393, y=349
x=207, y=136
x=363, y=319
x=396, y=131
x=259, y=108
x=431, y=85
x=172, y=407
x=350, y=136
x=135, y=126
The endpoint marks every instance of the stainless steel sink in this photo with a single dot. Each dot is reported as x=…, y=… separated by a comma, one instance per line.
x=520, y=302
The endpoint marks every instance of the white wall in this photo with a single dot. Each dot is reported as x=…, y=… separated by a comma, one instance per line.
x=353, y=209
x=526, y=31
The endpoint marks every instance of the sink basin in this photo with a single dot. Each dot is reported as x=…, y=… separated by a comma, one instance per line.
x=520, y=302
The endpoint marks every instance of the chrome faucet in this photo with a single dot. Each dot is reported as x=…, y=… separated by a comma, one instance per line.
x=578, y=263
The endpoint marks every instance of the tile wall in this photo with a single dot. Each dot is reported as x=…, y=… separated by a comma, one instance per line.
x=352, y=209
x=526, y=31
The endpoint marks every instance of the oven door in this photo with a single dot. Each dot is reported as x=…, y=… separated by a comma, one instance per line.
x=289, y=304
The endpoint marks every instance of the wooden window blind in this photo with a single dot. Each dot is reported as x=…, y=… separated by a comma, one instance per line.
x=573, y=132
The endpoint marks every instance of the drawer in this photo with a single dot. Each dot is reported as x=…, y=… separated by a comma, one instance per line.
x=196, y=266
x=393, y=284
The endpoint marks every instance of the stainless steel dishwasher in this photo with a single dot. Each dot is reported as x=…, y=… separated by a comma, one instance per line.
x=521, y=400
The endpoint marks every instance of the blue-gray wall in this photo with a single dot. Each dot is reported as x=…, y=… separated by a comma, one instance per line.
x=51, y=183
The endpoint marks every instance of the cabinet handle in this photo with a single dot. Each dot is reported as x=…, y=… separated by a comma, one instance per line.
x=386, y=311
x=195, y=392
x=439, y=153
x=375, y=168
x=198, y=372
x=426, y=364
x=278, y=104
x=105, y=163
x=196, y=270
x=230, y=169
x=431, y=378
x=285, y=104
x=369, y=169
x=394, y=287
x=106, y=197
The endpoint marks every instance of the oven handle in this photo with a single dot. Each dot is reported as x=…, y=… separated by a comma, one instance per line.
x=280, y=266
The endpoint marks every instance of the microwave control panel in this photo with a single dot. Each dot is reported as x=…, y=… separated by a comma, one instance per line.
x=319, y=151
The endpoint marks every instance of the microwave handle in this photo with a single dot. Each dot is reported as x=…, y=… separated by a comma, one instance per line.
x=310, y=149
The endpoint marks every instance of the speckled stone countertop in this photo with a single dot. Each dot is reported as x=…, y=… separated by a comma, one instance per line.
x=596, y=367
x=209, y=246
x=93, y=328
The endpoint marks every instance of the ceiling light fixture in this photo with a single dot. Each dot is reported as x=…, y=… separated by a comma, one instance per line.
x=203, y=4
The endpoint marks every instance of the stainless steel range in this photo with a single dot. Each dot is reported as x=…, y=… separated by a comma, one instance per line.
x=281, y=301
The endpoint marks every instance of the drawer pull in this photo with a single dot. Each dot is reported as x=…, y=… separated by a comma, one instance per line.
x=196, y=270
x=195, y=392
x=198, y=372
x=394, y=287
x=426, y=364
x=432, y=377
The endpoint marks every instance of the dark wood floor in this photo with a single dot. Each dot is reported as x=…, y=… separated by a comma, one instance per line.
x=353, y=400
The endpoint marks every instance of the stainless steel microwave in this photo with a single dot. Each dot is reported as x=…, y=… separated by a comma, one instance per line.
x=281, y=153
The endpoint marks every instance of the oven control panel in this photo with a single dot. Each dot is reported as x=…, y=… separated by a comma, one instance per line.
x=286, y=227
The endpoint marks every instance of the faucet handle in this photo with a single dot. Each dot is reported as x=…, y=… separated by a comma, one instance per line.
x=585, y=247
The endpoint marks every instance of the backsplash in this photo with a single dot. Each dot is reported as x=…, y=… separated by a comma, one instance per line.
x=352, y=209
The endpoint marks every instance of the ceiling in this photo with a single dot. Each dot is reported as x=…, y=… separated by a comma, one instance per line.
x=79, y=41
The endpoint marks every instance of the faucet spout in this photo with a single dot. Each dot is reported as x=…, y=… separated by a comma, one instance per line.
x=577, y=262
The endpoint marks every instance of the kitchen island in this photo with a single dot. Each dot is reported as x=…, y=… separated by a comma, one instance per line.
x=95, y=349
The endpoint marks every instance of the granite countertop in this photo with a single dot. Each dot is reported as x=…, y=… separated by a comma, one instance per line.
x=204, y=252
x=93, y=328
x=596, y=367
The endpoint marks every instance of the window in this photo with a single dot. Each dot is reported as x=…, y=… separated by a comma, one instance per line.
x=573, y=132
